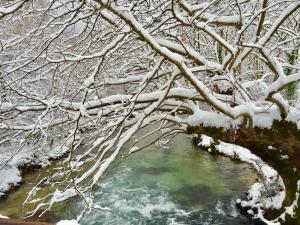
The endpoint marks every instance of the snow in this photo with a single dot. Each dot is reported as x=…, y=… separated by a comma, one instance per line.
x=89, y=81
x=11, y=161
x=3, y=217
x=269, y=193
x=180, y=56
x=294, y=115
x=108, y=16
x=133, y=149
x=67, y=222
x=9, y=175
x=59, y=196
x=263, y=116
x=199, y=11
x=211, y=119
x=257, y=195
x=11, y=8
x=290, y=210
x=266, y=119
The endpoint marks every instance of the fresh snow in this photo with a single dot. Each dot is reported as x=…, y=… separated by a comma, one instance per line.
x=263, y=117
x=269, y=193
x=211, y=119
x=9, y=175
x=3, y=217
x=67, y=222
x=294, y=115
x=11, y=161
x=290, y=210
x=59, y=196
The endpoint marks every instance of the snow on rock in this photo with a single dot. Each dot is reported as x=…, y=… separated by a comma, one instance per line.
x=10, y=162
x=9, y=175
x=211, y=119
x=294, y=115
x=67, y=222
x=268, y=193
x=266, y=118
x=3, y=217
x=290, y=210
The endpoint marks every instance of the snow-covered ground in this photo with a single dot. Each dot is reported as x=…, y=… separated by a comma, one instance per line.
x=3, y=217
x=268, y=193
x=12, y=161
x=9, y=176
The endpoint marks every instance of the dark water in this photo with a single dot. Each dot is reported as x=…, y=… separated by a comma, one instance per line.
x=177, y=185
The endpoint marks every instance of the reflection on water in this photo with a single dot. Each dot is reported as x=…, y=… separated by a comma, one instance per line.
x=178, y=185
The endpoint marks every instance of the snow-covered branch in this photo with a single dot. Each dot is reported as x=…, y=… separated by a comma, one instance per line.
x=90, y=74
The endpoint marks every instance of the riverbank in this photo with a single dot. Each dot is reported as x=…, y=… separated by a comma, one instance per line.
x=14, y=164
x=263, y=144
x=279, y=147
x=157, y=186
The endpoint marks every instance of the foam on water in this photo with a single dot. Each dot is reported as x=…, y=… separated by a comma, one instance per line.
x=133, y=204
x=181, y=185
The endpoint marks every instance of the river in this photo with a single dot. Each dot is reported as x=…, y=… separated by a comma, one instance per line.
x=176, y=185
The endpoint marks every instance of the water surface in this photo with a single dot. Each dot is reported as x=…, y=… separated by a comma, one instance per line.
x=176, y=185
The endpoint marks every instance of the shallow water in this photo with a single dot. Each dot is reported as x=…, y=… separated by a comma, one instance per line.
x=177, y=185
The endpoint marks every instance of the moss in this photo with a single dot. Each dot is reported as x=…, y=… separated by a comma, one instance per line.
x=196, y=140
x=236, y=156
x=291, y=90
x=213, y=147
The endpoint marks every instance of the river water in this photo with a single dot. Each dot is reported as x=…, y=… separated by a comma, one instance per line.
x=176, y=185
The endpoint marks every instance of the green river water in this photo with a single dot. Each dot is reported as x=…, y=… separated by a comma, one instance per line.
x=176, y=185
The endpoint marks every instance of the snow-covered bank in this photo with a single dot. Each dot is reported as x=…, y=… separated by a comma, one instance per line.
x=11, y=163
x=267, y=194
x=9, y=176
x=3, y=217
